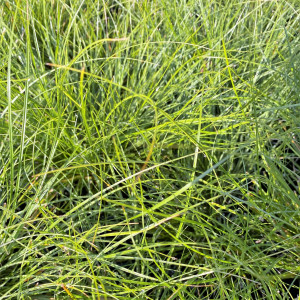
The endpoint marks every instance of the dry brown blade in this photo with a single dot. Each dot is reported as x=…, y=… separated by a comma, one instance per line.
x=147, y=160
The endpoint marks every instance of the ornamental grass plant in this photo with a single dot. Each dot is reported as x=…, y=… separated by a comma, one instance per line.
x=149, y=149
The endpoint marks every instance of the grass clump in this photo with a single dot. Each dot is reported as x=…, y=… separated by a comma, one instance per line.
x=149, y=149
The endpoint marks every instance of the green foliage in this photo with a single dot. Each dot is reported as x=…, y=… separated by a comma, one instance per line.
x=149, y=149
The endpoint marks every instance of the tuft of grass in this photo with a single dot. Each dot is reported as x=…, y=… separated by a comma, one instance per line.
x=149, y=149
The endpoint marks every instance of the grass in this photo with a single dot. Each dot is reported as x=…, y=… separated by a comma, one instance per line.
x=149, y=149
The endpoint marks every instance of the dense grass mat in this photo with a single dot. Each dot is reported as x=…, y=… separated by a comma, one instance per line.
x=149, y=149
